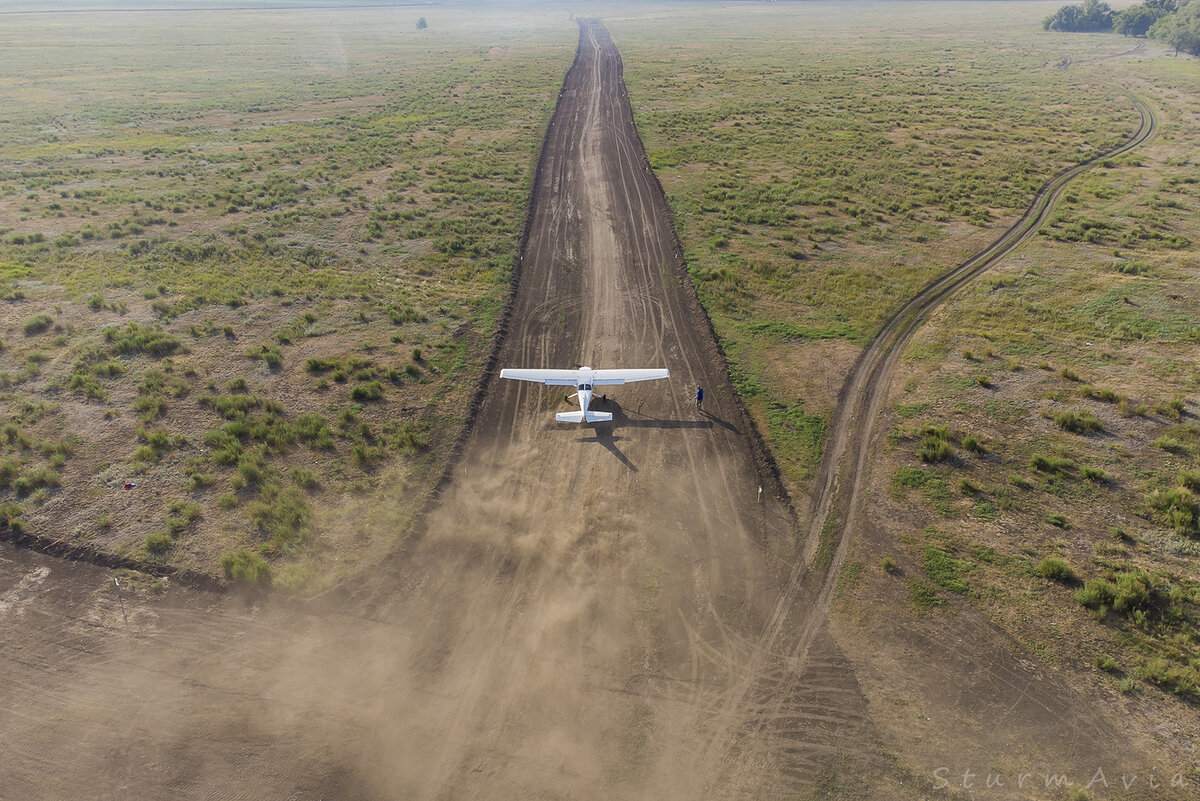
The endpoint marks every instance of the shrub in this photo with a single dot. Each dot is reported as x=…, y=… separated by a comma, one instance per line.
x=231, y=407
x=198, y=481
x=935, y=449
x=1171, y=445
x=283, y=516
x=1053, y=464
x=270, y=354
x=411, y=437
x=1052, y=567
x=889, y=565
x=1173, y=408
x=135, y=339
x=973, y=445
x=96, y=302
x=38, y=324
x=1134, y=594
x=1082, y=422
x=35, y=479
x=10, y=514
x=1188, y=479
x=245, y=567
x=306, y=478
x=1095, y=594
x=1093, y=474
x=319, y=365
x=1179, y=507
x=1182, y=680
x=149, y=407
x=366, y=456
x=159, y=542
x=1058, y=521
x=1068, y=374
x=367, y=392
x=250, y=468
x=1136, y=590
x=312, y=430
x=9, y=470
x=181, y=515
x=407, y=314
x=158, y=441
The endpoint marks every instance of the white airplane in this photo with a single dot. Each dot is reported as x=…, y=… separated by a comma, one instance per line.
x=585, y=379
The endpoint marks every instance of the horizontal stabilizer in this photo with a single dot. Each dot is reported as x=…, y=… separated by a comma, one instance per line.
x=580, y=417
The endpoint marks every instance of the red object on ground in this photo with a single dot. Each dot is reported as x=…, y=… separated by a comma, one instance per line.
x=130, y=485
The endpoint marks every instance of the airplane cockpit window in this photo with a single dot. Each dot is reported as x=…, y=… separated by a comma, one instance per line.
x=585, y=386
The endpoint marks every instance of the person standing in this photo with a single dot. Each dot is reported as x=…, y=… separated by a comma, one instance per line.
x=700, y=398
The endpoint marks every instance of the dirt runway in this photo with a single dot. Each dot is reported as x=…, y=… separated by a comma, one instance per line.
x=590, y=612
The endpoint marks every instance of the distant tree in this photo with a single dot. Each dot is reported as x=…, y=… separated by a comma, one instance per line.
x=1137, y=20
x=421, y=24
x=1180, y=30
x=1093, y=15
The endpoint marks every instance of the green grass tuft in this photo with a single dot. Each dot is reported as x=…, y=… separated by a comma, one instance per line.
x=1056, y=568
x=246, y=567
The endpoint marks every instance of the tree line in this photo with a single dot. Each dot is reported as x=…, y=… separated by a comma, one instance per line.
x=1176, y=22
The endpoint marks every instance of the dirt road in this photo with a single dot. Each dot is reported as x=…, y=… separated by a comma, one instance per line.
x=582, y=616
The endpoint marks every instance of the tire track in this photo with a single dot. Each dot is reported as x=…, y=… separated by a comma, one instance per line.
x=838, y=497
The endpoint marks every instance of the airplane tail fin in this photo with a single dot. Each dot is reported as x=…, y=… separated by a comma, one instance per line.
x=580, y=417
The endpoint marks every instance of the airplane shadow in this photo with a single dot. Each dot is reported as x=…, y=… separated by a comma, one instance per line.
x=605, y=431
x=604, y=435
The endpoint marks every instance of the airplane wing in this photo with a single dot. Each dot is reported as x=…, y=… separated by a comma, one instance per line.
x=608, y=377
x=561, y=378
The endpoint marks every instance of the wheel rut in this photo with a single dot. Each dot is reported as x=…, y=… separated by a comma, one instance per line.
x=840, y=488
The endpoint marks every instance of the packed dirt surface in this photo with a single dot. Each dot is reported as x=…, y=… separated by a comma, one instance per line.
x=582, y=616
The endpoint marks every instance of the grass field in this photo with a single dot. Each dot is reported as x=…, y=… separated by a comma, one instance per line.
x=1072, y=371
x=824, y=164
x=252, y=261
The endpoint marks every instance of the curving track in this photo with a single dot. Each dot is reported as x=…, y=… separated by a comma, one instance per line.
x=608, y=611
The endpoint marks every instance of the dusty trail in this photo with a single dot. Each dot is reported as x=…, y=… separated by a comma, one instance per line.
x=634, y=566
x=840, y=484
x=1042, y=706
